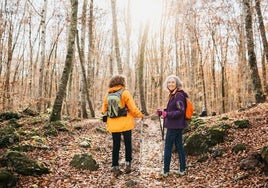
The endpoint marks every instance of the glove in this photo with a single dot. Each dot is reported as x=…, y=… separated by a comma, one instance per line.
x=164, y=114
x=159, y=112
x=104, y=118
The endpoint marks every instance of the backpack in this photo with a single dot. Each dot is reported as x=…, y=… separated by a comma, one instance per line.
x=189, y=111
x=114, y=102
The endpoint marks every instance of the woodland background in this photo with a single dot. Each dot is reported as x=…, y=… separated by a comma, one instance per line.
x=57, y=56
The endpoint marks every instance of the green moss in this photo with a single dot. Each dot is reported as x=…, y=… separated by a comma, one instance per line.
x=242, y=123
x=239, y=147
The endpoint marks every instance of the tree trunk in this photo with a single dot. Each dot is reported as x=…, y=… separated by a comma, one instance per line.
x=264, y=43
x=2, y=29
x=82, y=58
x=6, y=97
x=84, y=78
x=43, y=55
x=259, y=97
x=91, y=56
x=141, y=68
x=61, y=93
x=128, y=71
x=116, y=39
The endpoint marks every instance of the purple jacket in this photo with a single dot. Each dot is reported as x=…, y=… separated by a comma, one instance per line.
x=176, y=106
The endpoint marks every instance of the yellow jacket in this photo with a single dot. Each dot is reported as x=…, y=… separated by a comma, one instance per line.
x=123, y=123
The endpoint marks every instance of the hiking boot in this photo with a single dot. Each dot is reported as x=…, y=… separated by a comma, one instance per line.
x=164, y=174
x=128, y=168
x=116, y=170
x=180, y=173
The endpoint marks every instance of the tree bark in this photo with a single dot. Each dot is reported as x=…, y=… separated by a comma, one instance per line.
x=264, y=43
x=82, y=58
x=141, y=68
x=61, y=93
x=43, y=55
x=6, y=98
x=257, y=87
x=84, y=78
x=116, y=39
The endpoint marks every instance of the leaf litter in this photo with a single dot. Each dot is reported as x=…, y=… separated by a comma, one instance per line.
x=147, y=161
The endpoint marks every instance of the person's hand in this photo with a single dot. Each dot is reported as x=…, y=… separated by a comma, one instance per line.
x=164, y=114
x=159, y=112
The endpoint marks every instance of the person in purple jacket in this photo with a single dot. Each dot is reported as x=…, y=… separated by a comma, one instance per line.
x=174, y=122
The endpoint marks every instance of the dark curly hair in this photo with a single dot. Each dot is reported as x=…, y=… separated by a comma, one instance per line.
x=117, y=80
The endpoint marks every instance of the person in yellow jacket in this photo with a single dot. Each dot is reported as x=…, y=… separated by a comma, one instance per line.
x=121, y=125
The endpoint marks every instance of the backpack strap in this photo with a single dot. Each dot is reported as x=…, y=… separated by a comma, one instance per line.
x=180, y=92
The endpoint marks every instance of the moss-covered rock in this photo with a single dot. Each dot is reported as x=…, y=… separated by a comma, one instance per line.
x=14, y=123
x=241, y=124
x=214, y=136
x=8, y=136
x=52, y=128
x=30, y=112
x=196, y=144
x=84, y=142
x=218, y=152
x=7, y=178
x=249, y=162
x=196, y=122
x=101, y=130
x=60, y=126
x=202, y=158
x=264, y=155
x=9, y=115
x=225, y=126
x=239, y=147
x=84, y=161
x=202, y=139
x=23, y=164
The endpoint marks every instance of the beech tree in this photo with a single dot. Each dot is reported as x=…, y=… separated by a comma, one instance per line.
x=264, y=43
x=116, y=39
x=257, y=87
x=61, y=93
x=43, y=56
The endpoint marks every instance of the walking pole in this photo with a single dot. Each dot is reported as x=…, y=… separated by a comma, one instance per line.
x=161, y=128
x=163, y=145
x=141, y=144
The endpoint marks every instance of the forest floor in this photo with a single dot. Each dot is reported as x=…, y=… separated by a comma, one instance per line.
x=147, y=157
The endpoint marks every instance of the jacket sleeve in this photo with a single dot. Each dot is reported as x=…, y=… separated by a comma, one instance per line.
x=104, y=107
x=129, y=102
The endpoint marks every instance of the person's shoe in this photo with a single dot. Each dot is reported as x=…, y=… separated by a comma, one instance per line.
x=164, y=174
x=181, y=173
x=128, y=168
x=116, y=170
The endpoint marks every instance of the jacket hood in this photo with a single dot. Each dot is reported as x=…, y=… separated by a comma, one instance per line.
x=115, y=88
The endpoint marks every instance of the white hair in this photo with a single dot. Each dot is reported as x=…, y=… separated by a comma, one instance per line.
x=178, y=81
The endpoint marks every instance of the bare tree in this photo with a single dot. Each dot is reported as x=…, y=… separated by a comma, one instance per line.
x=264, y=43
x=6, y=97
x=2, y=29
x=82, y=58
x=91, y=56
x=259, y=97
x=61, y=93
x=141, y=67
x=116, y=39
x=43, y=55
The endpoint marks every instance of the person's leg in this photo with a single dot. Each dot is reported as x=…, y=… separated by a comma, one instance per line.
x=168, y=149
x=181, y=152
x=116, y=148
x=128, y=150
x=128, y=145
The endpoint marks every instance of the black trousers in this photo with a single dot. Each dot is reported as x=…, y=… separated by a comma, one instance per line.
x=116, y=146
